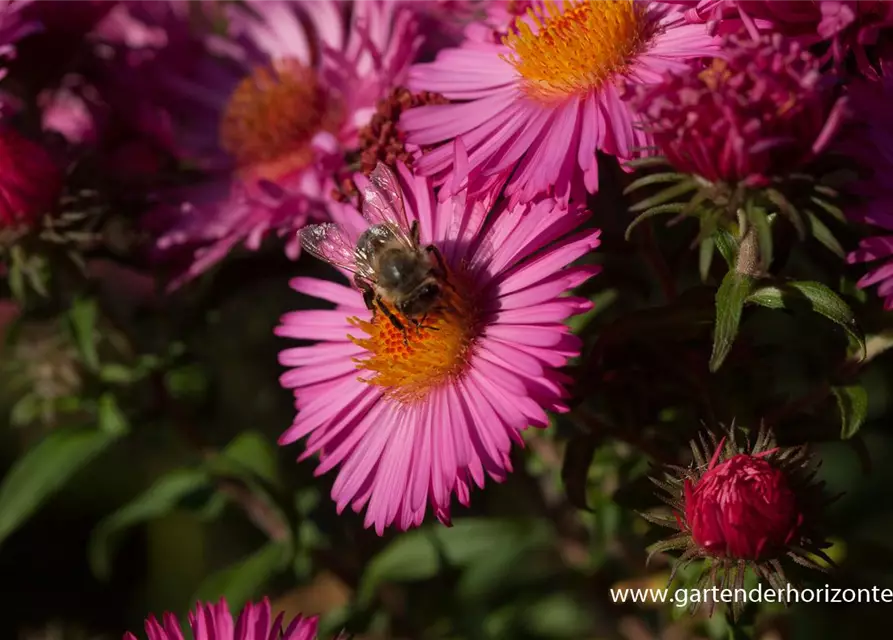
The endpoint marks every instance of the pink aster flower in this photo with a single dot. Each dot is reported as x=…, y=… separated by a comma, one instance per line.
x=851, y=27
x=215, y=622
x=267, y=112
x=535, y=107
x=761, y=112
x=413, y=417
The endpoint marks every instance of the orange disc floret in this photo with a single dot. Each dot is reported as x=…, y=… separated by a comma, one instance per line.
x=409, y=362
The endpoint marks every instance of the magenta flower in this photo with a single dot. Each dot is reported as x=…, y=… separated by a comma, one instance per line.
x=30, y=179
x=538, y=105
x=266, y=112
x=15, y=24
x=852, y=28
x=871, y=102
x=743, y=507
x=215, y=622
x=414, y=417
x=791, y=18
x=64, y=17
x=762, y=112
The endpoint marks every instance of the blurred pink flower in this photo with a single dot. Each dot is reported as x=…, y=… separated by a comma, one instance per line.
x=849, y=26
x=437, y=413
x=538, y=105
x=871, y=103
x=73, y=110
x=215, y=622
x=59, y=17
x=265, y=111
x=854, y=26
x=30, y=179
x=15, y=24
x=762, y=111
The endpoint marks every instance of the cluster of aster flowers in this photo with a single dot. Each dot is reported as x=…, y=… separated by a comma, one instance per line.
x=445, y=158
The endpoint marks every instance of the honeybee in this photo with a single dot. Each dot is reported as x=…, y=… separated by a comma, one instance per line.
x=389, y=265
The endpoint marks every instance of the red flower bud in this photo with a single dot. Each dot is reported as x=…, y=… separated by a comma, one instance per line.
x=749, y=506
x=30, y=180
x=742, y=508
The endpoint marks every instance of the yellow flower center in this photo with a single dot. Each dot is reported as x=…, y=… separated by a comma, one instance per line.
x=272, y=116
x=577, y=47
x=409, y=363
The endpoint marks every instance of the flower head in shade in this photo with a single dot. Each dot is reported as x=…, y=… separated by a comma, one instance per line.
x=15, y=24
x=30, y=180
x=763, y=111
x=871, y=102
x=741, y=507
x=858, y=30
x=851, y=30
x=266, y=113
x=416, y=413
x=215, y=622
x=535, y=107
x=751, y=133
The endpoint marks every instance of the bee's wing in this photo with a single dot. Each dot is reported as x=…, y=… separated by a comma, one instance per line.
x=383, y=202
x=331, y=243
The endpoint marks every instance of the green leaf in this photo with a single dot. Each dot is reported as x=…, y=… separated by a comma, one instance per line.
x=188, y=382
x=664, y=195
x=25, y=410
x=43, y=470
x=654, y=178
x=411, y=557
x=815, y=296
x=705, y=257
x=823, y=234
x=675, y=207
x=245, y=579
x=647, y=161
x=788, y=210
x=470, y=540
x=165, y=495
x=119, y=374
x=111, y=419
x=833, y=210
x=730, y=299
x=578, y=456
x=852, y=401
x=82, y=320
x=255, y=452
x=728, y=247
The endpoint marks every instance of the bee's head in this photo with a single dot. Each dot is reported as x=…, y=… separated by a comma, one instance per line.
x=422, y=299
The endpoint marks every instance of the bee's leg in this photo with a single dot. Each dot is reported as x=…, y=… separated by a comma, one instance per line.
x=420, y=324
x=393, y=318
x=368, y=293
x=414, y=232
x=441, y=264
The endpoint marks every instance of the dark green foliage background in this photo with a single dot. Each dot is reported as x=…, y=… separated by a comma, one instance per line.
x=532, y=558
